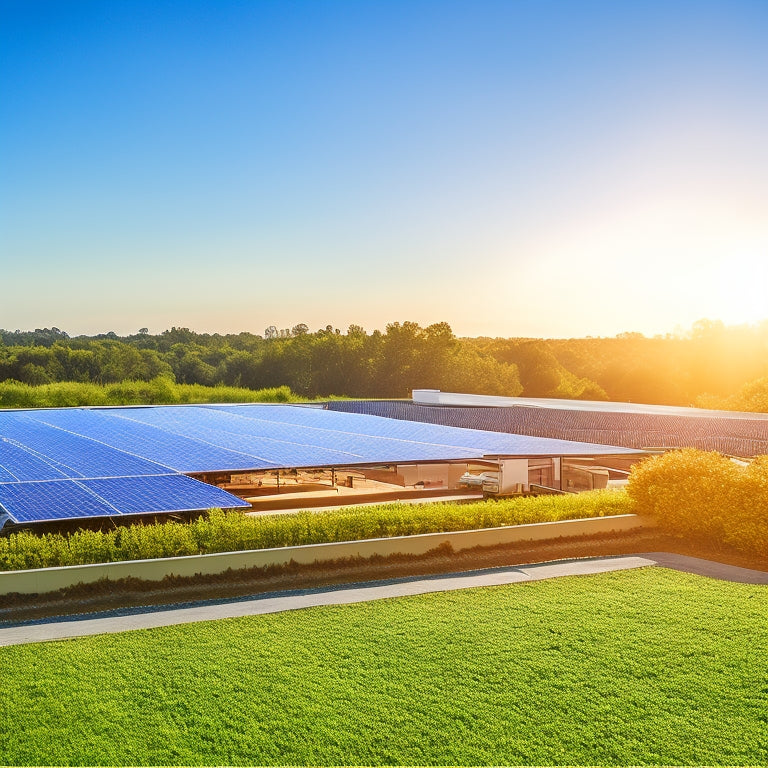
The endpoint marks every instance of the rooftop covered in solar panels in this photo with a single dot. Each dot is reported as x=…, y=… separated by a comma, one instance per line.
x=85, y=462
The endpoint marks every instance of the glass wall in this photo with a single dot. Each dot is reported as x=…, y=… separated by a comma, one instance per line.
x=542, y=472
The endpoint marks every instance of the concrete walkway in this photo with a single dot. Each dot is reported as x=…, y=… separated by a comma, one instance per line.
x=60, y=628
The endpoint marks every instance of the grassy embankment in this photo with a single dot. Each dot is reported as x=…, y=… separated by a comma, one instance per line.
x=632, y=668
x=229, y=532
x=69, y=394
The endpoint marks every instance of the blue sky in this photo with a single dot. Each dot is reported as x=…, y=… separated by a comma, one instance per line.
x=512, y=168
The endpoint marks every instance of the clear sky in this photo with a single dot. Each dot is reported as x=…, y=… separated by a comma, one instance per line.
x=513, y=168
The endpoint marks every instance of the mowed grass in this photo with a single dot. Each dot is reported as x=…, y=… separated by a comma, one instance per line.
x=636, y=667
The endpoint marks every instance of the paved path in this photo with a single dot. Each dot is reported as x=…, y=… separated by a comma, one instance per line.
x=121, y=620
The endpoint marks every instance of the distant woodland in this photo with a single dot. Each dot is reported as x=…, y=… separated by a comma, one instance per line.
x=712, y=365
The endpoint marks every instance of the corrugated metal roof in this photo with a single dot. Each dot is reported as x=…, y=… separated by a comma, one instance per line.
x=734, y=434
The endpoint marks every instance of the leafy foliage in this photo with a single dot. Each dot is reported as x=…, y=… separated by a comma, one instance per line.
x=14, y=394
x=705, y=495
x=704, y=366
x=231, y=532
x=752, y=397
x=643, y=667
x=541, y=373
x=323, y=363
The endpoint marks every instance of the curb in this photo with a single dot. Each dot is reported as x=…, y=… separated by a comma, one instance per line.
x=41, y=580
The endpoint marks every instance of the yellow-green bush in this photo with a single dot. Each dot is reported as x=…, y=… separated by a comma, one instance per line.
x=702, y=494
x=14, y=394
x=233, y=531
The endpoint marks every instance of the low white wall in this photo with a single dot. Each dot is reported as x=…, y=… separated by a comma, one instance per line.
x=51, y=579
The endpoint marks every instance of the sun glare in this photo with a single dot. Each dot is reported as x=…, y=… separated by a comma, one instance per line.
x=740, y=291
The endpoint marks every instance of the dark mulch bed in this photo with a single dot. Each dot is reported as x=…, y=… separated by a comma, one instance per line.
x=106, y=595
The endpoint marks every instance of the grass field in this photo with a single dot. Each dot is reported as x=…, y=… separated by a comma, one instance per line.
x=636, y=667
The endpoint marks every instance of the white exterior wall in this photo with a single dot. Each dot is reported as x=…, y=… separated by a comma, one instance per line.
x=43, y=580
x=511, y=473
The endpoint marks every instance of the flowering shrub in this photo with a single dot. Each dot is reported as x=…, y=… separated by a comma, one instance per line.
x=702, y=494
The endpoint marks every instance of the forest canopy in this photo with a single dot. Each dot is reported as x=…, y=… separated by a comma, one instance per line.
x=712, y=365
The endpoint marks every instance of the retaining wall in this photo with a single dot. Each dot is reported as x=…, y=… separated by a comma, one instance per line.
x=42, y=580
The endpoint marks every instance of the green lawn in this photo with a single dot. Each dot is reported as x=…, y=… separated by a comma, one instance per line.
x=636, y=667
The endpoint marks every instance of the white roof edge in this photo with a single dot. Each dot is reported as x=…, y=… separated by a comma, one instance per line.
x=319, y=404
x=458, y=399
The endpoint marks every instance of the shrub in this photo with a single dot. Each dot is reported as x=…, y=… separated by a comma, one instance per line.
x=705, y=495
x=748, y=529
x=233, y=531
x=160, y=390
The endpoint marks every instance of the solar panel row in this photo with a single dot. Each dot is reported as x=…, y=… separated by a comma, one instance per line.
x=83, y=462
x=71, y=453
x=18, y=463
x=139, y=441
x=424, y=441
x=733, y=433
x=65, y=499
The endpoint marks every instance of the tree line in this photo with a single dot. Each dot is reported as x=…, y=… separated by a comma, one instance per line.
x=711, y=365
x=313, y=364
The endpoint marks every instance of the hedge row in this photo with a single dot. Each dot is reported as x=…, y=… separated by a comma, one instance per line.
x=70, y=394
x=231, y=532
x=705, y=495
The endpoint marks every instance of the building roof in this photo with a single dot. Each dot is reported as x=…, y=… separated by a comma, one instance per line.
x=458, y=399
x=641, y=427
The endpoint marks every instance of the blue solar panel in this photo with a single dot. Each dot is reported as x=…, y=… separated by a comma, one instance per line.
x=71, y=454
x=420, y=441
x=295, y=445
x=268, y=445
x=124, y=430
x=124, y=460
x=71, y=499
x=167, y=493
x=17, y=463
x=52, y=500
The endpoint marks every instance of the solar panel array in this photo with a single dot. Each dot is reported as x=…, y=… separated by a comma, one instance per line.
x=737, y=434
x=86, y=462
x=105, y=497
